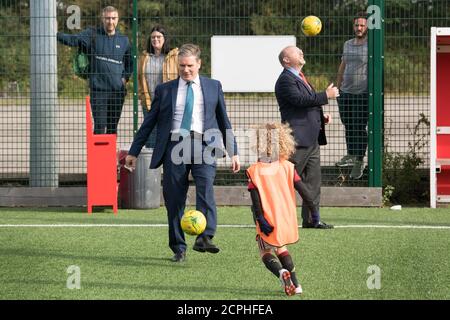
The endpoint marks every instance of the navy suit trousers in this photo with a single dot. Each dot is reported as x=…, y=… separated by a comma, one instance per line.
x=176, y=167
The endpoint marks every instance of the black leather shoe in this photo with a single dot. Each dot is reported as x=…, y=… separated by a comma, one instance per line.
x=320, y=225
x=180, y=256
x=209, y=246
x=323, y=225
x=199, y=245
x=307, y=225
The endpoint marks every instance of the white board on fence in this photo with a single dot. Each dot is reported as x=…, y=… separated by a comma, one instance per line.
x=247, y=63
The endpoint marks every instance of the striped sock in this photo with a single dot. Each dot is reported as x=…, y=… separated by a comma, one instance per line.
x=272, y=263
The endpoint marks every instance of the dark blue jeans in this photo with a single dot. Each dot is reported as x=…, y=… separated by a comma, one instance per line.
x=353, y=110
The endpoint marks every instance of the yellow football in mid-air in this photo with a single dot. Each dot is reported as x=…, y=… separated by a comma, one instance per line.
x=193, y=222
x=311, y=26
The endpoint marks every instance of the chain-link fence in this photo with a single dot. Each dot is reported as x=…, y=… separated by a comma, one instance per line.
x=50, y=140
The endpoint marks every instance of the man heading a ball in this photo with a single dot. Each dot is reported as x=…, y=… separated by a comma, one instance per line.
x=301, y=107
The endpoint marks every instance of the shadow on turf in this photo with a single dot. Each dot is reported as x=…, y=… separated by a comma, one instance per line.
x=162, y=262
x=110, y=260
x=172, y=290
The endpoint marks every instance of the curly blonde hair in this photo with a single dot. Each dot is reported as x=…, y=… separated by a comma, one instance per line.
x=273, y=140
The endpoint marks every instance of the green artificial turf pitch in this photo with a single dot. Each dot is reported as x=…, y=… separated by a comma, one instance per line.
x=412, y=256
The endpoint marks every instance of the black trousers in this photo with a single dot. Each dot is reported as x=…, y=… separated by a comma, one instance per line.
x=353, y=110
x=106, y=110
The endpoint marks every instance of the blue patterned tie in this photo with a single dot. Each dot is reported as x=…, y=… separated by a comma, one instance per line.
x=188, y=108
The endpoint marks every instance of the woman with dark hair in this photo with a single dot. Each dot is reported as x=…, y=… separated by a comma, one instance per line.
x=157, y=64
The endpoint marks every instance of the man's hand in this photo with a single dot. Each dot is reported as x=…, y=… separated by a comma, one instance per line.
x=236, y=165
x=327, y=118
x=130, y=163
x=332, y=91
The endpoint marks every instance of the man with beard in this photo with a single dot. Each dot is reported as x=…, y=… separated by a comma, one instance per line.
x=353, y=98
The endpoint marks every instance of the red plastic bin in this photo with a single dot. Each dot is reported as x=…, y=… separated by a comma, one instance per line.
x=101, y=166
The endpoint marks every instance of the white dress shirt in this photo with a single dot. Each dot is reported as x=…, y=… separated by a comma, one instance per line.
x=198, y=115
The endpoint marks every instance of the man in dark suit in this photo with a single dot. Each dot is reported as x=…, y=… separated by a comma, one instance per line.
x=301, y=107
x=192, y=126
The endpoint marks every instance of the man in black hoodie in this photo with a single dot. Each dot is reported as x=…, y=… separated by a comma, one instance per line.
x=110, y=68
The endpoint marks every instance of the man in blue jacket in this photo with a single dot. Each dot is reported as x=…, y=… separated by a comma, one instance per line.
x=110, y=68
x=192, y=123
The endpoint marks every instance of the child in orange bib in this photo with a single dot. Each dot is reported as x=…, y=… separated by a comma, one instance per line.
x=272, y=180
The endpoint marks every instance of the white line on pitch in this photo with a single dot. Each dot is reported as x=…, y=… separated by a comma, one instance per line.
x=107, y=225
x=368, y=226
x=82, y=225
x=392, y=227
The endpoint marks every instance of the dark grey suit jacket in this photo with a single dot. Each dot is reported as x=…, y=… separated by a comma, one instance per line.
x=301, y=107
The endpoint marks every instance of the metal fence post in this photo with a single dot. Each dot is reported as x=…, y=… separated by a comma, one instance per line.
x=376, y=91
x=43, y=69
x=135, y=71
